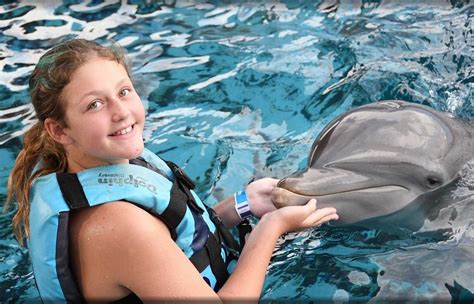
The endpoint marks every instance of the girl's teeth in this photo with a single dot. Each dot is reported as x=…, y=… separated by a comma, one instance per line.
x=124, y=131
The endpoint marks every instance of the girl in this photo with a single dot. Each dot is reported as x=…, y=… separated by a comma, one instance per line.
x=106, y=219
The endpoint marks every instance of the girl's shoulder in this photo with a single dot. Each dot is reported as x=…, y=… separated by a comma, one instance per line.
x=109, y=221
x=108, y=242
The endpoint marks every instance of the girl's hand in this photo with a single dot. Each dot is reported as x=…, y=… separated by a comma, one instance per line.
x=259, y=196
x=296, y=218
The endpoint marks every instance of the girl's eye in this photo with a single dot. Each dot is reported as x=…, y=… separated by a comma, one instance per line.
x=124, y=92
x=96, y=104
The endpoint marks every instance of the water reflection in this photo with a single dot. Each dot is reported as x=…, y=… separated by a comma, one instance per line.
x=241, y=90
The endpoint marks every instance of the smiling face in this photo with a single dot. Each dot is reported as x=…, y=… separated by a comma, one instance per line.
x=104, y=116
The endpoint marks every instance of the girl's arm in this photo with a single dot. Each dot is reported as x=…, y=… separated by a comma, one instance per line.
x=121, y=248
x=247, y=280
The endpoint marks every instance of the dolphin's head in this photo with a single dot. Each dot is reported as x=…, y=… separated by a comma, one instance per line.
x=377, y=159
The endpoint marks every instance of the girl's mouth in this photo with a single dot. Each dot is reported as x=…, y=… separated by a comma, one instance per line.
x=123, y=131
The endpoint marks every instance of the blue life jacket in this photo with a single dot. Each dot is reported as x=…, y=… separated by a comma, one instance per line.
x=160, y=188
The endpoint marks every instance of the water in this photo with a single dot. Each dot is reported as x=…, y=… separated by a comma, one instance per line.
x=240, y=90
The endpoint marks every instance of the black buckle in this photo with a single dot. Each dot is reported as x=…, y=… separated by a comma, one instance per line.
x=181, y=175
x=244, y=229
x=224, y=234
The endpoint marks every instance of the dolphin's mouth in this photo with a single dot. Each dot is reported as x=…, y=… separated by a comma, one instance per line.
x=290, y=197
x=378, y=188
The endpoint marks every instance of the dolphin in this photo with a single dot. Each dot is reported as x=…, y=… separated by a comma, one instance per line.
x=379, y=159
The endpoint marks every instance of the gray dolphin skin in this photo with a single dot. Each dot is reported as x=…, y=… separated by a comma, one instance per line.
x=380, y=158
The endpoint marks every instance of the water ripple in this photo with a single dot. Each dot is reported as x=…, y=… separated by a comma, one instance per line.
x=241, y=90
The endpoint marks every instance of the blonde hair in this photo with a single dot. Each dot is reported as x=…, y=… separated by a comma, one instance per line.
x=47, y=81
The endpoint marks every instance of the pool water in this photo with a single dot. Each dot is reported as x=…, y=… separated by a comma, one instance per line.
x=236, y=91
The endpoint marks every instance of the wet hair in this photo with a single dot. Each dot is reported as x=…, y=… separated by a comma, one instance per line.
x=47, y=81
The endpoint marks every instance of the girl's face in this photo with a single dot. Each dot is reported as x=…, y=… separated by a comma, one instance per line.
x=104, y=115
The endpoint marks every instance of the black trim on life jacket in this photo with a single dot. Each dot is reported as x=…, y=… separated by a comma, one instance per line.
x=244, y=229
x=178, y=172
x=65, y=276
x=200, y=259
x=72, y=191
x=181, y=192
x=224, y=233
x=184, y=184
x=175, y=212
x=75, y=198
x=140, y=161
x=218, y=266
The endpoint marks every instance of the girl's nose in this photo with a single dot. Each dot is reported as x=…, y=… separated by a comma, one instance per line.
x=119, y=110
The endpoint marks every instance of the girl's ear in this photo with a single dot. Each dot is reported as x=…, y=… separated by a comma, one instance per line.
x=55, y=129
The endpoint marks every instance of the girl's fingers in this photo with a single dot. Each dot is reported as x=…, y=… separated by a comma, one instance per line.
x=331, y=217
x=325, y=211
x=320, y=216
x=311, y=205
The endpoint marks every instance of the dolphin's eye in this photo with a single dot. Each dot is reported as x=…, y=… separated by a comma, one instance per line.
x=433, y=181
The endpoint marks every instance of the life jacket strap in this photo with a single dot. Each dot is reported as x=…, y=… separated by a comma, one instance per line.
x=224, y=234
x=175, y=211
x=180, y=174
x=210, y=255
x=244, y=228
x=185, y=184
x=72, y=190
x=63, y=270
x=218, y=266
x=140, y=161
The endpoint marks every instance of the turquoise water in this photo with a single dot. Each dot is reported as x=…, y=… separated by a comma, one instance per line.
x=238, y=90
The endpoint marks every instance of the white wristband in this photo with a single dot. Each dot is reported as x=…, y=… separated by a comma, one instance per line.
x=242, y=205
